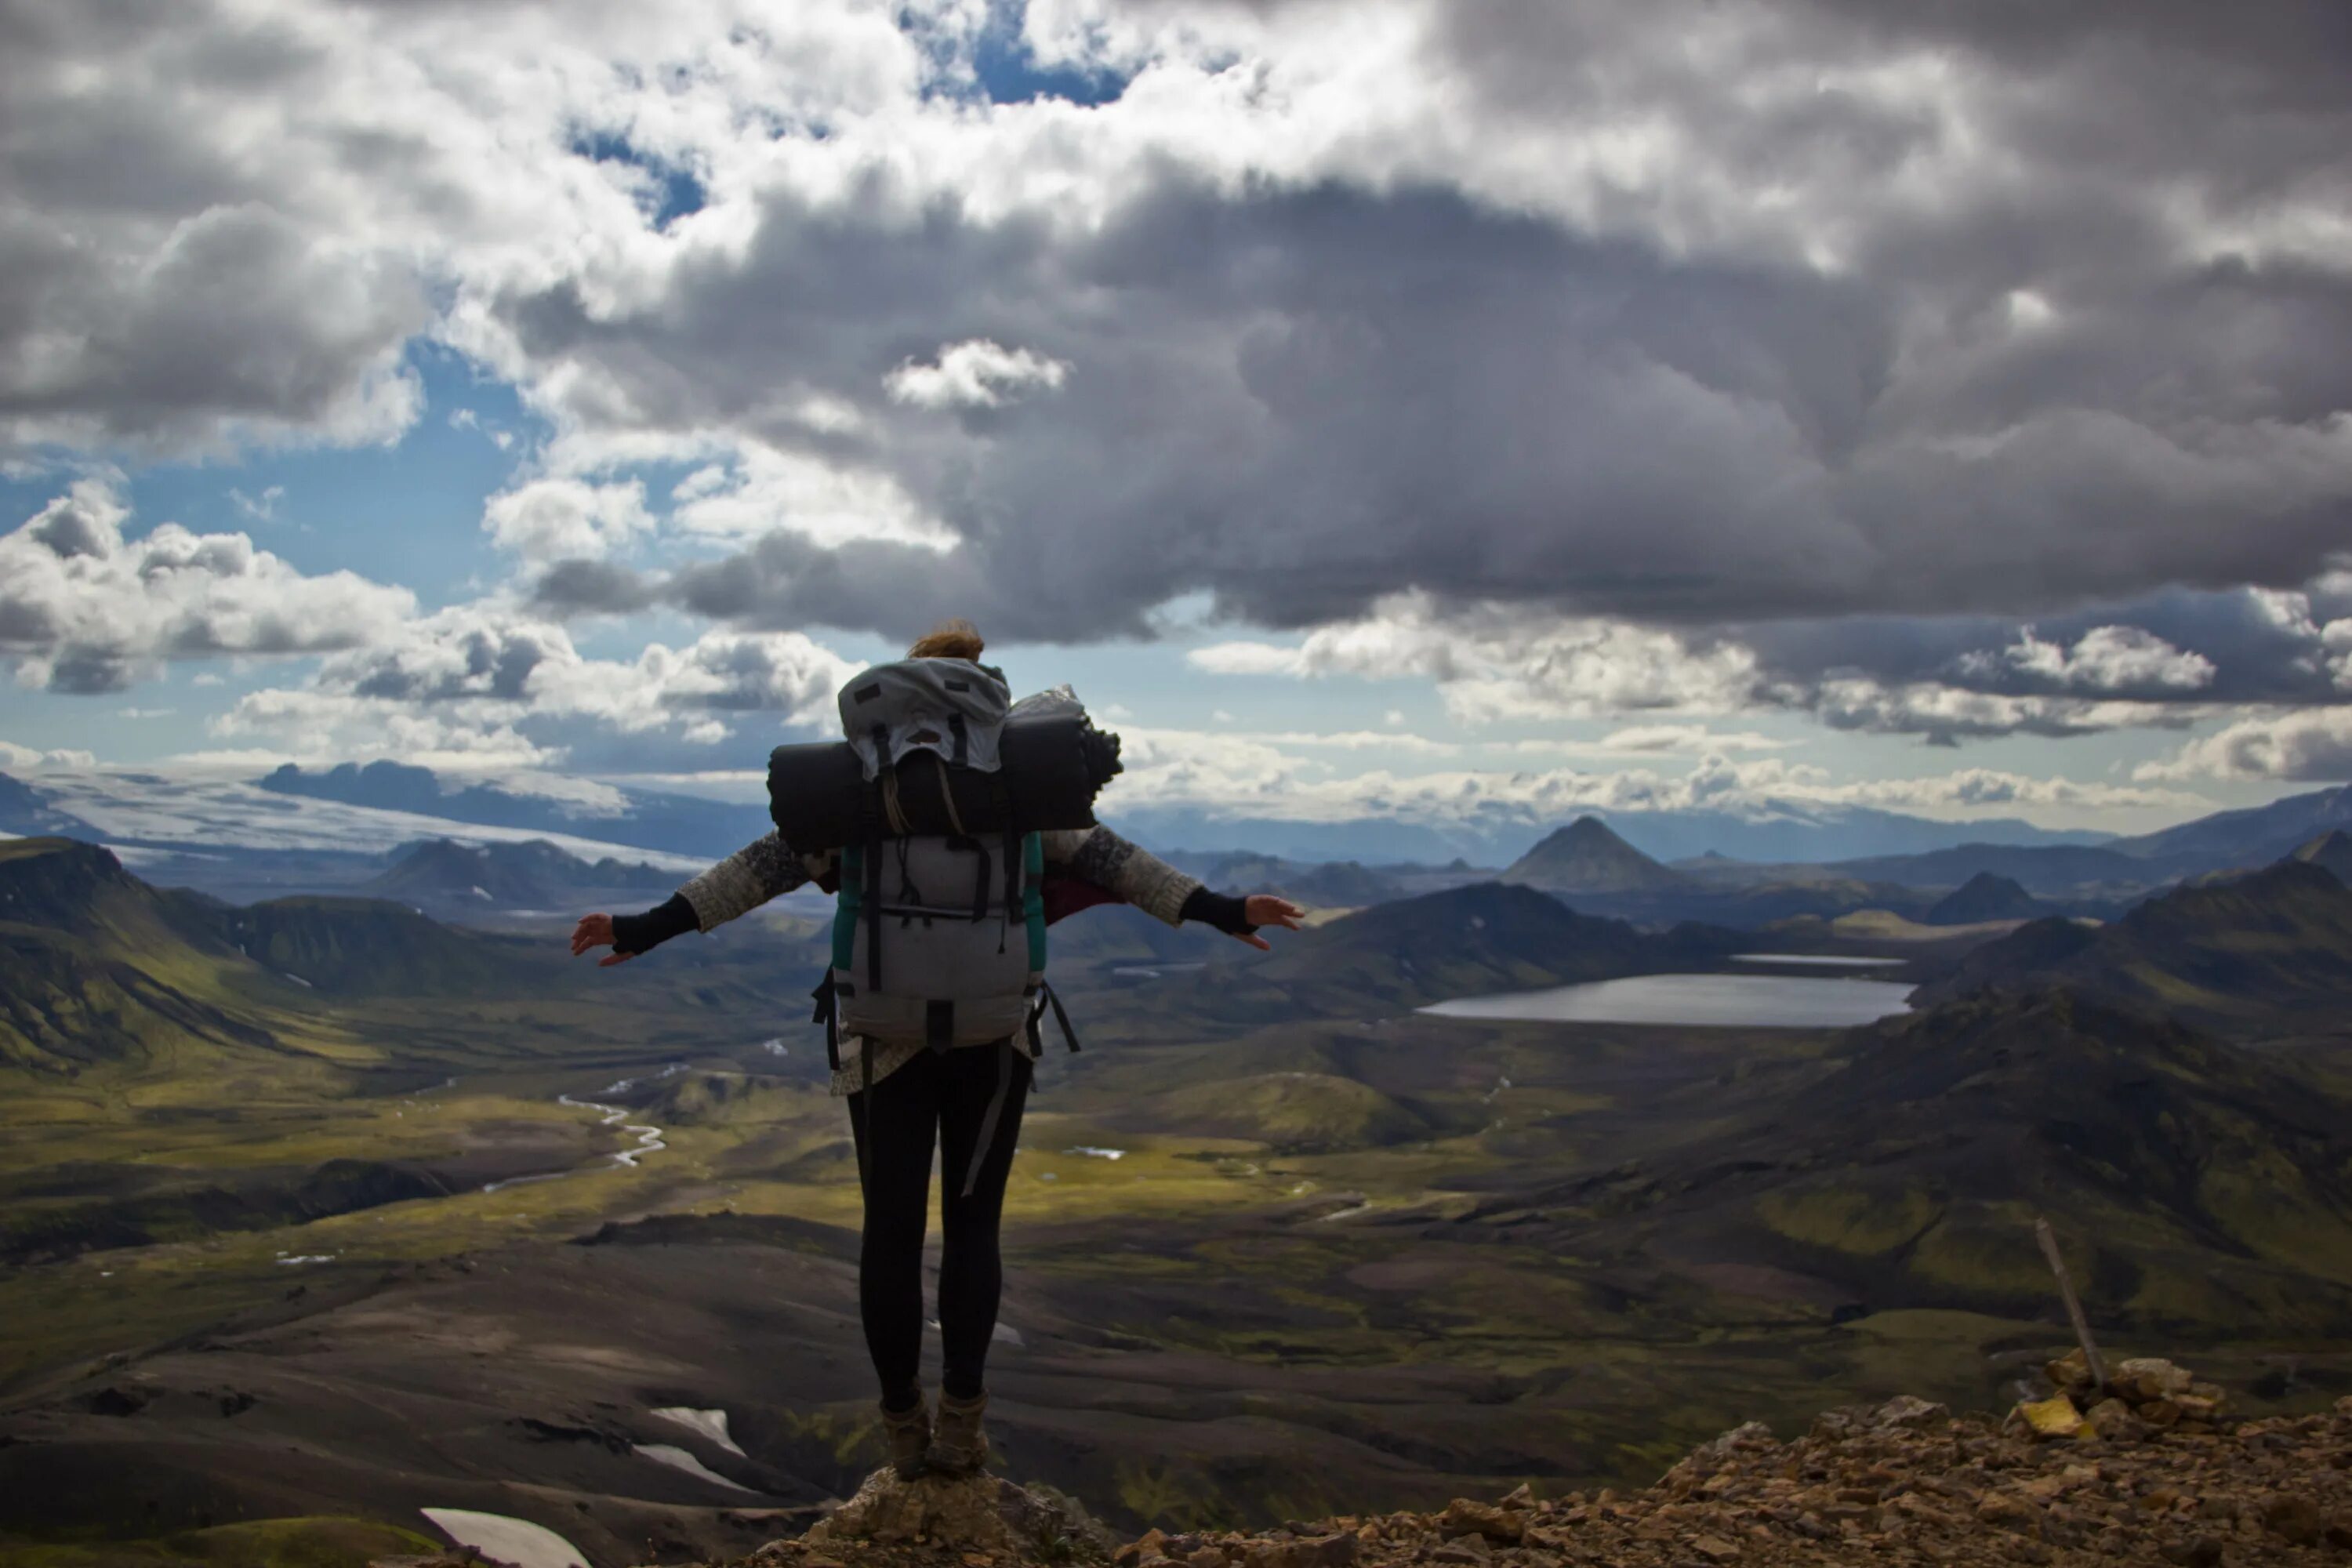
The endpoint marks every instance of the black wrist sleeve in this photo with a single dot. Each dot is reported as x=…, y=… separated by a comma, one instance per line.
x=1222, y=910
x=639, y=933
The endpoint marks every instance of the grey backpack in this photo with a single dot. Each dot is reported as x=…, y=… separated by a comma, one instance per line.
x=939, y=940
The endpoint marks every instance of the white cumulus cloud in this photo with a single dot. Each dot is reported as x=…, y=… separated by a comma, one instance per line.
x=84, y=609
x=975, y=374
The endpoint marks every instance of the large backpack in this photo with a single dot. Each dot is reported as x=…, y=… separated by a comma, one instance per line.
x=938, y=939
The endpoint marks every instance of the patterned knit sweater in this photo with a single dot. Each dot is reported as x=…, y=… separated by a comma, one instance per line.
x=768, y=868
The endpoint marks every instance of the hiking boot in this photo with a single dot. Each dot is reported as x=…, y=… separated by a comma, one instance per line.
x=910, y=1434
x=961, y=1447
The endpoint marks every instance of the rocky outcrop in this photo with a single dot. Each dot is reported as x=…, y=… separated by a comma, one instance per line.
x=937, y=1522
x=1904, y=1482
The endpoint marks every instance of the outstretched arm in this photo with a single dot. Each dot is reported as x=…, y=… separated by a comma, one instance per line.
x=1098, y=854
x=763, y=869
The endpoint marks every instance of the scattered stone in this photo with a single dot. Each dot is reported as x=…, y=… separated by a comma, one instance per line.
x=1909, y=1410
x=2294, y=1518
x=2071, y=1374
x=2050, y=1417
x=1487, y=1520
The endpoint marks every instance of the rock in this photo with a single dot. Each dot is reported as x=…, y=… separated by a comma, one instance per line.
x=2199, y=1552
x=2114, y=1420
x=1337, y=1549
x=1714, y=1548
x=1906, y=1410
x=2148, y=1377
x=1484, y=1520
x=2050, y=1417
x=2196, y=1407
x=2071, y=1372
x=2013, y=1514
x=2295, y=1520
x=2160, y=1413
x=979, y=1514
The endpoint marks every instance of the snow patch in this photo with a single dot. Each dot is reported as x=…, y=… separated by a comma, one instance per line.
x=679, y=1460
x=1093, y=1153
x=711, y=1424
x=504, y=1540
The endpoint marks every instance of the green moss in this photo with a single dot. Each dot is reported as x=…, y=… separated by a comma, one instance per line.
x=1850, y=1219
x=260, y=1544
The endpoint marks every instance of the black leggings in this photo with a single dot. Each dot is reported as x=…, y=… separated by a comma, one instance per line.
x=944, y=1094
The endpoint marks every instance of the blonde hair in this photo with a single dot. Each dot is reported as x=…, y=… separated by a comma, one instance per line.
x=955, y=639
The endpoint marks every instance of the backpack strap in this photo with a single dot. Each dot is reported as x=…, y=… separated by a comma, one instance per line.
x=866, y=1111
x=993, y=1116
x=870, y=824
x=1047, y=998
x=1033, y=899
x=828, y=1013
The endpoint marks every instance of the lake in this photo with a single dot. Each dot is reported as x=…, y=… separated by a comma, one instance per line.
x=1778, y=1001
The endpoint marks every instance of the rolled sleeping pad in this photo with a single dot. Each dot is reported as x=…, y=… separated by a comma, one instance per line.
x=1053, y=765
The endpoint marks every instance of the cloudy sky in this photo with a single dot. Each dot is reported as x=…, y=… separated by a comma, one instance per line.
x=1376, y=405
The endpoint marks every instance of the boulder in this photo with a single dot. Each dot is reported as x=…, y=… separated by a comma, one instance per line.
x=2071, y=1372
x=2144, y=1378
x=976, y=1514
x=1464, y=1516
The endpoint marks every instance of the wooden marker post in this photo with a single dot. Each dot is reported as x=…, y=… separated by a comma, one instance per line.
x=2042, y=1234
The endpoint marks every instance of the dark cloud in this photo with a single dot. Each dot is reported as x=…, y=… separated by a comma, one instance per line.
x=592, y=587
x=1867, y=336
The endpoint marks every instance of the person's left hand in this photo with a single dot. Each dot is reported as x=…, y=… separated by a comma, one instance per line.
x=594, y=931
x=1265, y=909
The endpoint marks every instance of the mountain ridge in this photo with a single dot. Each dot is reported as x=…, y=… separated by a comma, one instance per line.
x=2272, y=945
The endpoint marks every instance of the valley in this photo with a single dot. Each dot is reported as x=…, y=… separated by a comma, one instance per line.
x=324, y=1179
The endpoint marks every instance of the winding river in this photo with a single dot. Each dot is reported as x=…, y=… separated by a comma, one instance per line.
x=649, y=1137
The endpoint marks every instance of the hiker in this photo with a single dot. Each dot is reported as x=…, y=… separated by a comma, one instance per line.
x=955, y=1073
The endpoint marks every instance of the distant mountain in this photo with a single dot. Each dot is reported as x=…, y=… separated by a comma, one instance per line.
x=1486, y=937
x=2332, y=853
x=1585, y=857
x=23, y=812
x=1984, y=897
x=346, y=947
x=679, y=823
x=2051, y=868
x=98, y=969
x=1809, y=832
x=2253, y=836
x=1334, y=884
x=1777, y=831
x=444, y=874
x=2269, y=947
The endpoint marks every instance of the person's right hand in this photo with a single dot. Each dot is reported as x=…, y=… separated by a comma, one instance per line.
x=1267, y=909
x=596, y=931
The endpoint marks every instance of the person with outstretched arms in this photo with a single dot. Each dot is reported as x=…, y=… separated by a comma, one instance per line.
x=953, y=827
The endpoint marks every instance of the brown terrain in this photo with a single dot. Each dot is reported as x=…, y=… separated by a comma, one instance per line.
x=2149, y=1469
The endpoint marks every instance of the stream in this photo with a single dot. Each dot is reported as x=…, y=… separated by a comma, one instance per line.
x=649, y=1137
